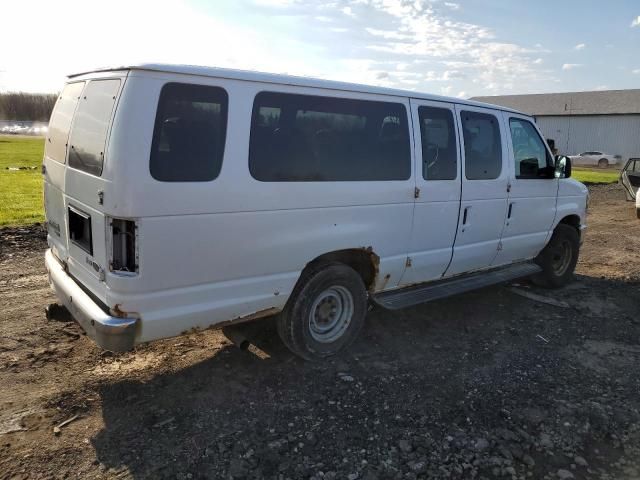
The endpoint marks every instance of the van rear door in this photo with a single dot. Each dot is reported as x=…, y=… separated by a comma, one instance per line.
x=53, y=167
x=79, y=210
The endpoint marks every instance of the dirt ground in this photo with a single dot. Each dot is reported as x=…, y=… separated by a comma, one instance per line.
x=484, y=385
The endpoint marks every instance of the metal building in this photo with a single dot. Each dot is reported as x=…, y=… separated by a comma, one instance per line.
x=605, y=121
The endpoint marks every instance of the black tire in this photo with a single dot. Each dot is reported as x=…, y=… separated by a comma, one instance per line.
x=603, y=163
x=312, y=306
x=559, y=258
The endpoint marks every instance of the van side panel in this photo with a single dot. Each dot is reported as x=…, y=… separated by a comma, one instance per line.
x=228, y=248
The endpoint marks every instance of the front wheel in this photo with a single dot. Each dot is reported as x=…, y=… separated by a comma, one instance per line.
x=559, y=258
x=603, y=163
x=324, y=313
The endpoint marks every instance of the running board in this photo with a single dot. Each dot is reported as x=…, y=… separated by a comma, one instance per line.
x=415, y=295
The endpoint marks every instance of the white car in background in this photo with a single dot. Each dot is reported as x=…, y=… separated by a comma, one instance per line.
x=602, y=160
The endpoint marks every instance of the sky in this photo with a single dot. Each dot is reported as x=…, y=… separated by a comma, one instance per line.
x=458, y=48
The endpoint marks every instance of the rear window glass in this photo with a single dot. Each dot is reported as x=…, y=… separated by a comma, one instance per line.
x=60, y=123
x=189, y=133
x=482, y=146
x=304, y=138
x=91, y=124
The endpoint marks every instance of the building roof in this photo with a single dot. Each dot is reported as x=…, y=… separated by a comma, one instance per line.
x=607, y=102
x=284, y=79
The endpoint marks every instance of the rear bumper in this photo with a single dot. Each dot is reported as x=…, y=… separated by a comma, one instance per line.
x=111, y=333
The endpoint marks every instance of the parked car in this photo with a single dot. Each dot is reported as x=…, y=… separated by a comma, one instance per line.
x=630, y=181
x=602, y=160
x=187, y=197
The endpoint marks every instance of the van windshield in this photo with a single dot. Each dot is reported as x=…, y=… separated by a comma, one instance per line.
x=91, y=124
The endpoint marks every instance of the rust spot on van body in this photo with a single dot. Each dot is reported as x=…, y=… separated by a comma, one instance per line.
x=375, y=261
x=116, y=311
x=267, y=312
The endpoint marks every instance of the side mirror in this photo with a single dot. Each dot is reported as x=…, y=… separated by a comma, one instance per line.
x=563, y=167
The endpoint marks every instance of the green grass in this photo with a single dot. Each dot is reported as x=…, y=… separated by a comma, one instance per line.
x=595, y=175
x=20, y=191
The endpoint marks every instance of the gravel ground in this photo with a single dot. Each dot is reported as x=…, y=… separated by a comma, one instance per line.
x=484, y=385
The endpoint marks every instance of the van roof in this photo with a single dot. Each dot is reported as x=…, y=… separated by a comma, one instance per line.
x=288, y=80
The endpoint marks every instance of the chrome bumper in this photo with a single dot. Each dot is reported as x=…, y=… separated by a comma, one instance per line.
x=111, y=333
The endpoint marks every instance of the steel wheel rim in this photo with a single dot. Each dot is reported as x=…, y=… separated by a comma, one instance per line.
x=331, y=314
x=561, y=257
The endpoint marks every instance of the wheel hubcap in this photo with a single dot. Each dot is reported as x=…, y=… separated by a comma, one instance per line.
x=331, y=314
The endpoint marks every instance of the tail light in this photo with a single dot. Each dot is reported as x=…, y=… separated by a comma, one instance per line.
x=124, y=247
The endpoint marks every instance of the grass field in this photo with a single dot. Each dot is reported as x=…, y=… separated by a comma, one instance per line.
x=21, y=190
x=595, y=175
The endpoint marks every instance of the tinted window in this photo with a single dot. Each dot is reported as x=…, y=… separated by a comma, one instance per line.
x=189, y=133
x=529, y=152
x=439, y=152
x=303, y=138
x=482, y=147
x=90, y=126
x=60, y=123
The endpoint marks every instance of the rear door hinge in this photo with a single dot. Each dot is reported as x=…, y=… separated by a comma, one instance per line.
x=509, y=187
x=416, y=193
x=100, y=197
x=408, y=262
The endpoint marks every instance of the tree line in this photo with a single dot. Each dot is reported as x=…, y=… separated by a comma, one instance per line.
x=35, y=107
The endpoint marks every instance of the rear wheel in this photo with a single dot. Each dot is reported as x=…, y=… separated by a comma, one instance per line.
x=324, y=313
x=559, y=258
x=603, y=163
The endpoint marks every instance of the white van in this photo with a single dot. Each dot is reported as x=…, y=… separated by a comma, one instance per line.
x=182, y=197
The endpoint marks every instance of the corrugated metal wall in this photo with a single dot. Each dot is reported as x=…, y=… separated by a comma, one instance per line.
x=614, y=134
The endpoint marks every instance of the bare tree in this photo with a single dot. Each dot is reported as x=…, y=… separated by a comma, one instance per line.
x=35, y=107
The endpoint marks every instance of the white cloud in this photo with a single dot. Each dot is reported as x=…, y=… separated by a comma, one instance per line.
x=348, y=11
x=580, y=46
x=636, y=71
x=387, y=34
x=462, y=94
x=452, y=5
x=602, y=87
x=571, y=66
x=636, y=22
x=538, y=61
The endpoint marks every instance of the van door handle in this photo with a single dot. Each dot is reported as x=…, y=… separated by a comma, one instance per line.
x=510, y=210
x=464, y=215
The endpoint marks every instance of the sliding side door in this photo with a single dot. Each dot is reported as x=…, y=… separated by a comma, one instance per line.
x=438, y=189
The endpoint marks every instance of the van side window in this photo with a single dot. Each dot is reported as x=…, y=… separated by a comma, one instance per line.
x=439, y=151
x=482, y=146
x=304, y=138
x=189, y=133
x=91, y=124
x=60, y=123
x=531, y=156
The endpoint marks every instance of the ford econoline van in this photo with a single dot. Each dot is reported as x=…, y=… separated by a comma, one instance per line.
x=181, y=197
